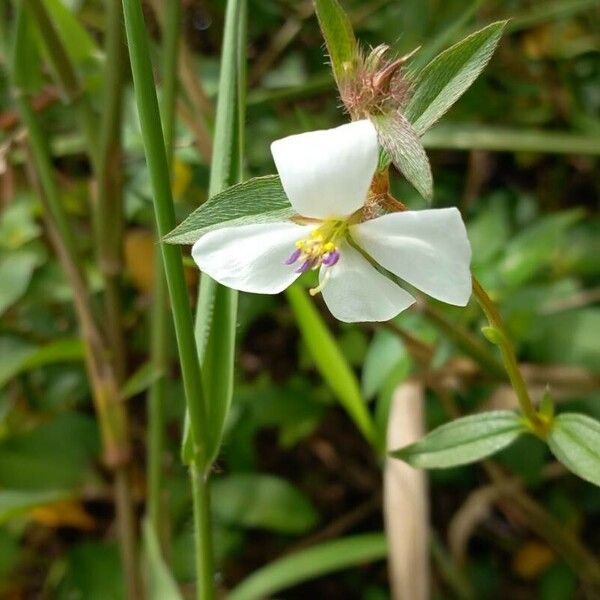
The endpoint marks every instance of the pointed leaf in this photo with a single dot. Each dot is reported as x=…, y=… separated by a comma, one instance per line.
x=313, y=562
x=441, y=83
x=464, y=440
x=26, y=60
x=160, y=584
x=404, y=147
x=329, y=360
x=339, y=37
x=575, y=441
x=257, y=500
x=14, y=503
x=258, y=200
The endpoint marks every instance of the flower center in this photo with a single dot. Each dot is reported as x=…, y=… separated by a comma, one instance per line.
x=320, y=248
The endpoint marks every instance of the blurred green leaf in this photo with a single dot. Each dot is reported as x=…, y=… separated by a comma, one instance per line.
x=17, y=356
x=339, y=37
x=160, y=583
x=139, y=381
x=93, y=572
x=10, y=555
x=489, y=230
x=258, y=200
x=79, y=44
x=14, y=503
x=441, y=83
x=56, y=455
x=569, y=337
x=262, y=501
x=16, y=270
x=329, y=360
x=535, y=247
x=404, y=147
x=575, y=441
x=17, y=224
x=385, y=351
x=26, y=60
x=311, y=563
x=463, y=440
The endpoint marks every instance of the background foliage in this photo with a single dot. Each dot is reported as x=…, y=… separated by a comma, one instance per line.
x=517, y=155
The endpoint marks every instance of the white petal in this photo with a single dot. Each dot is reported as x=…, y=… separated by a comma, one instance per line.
x=251, y=258
x=356, y=292
x=327, y=173
x=427, y=248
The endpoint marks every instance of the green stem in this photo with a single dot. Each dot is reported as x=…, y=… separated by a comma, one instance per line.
x=109, y=201
x=110, y=411
x=205, y=589
x=160, y=316
x=156, y=158
x=66, y=75
x=508, y=355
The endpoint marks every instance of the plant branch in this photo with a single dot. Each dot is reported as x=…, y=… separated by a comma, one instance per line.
x=510, y=360
x=109, y=199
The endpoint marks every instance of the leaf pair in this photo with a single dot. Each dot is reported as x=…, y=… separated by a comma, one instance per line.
x=574, y=439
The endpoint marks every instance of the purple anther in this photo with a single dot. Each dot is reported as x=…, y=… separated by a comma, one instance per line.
x=294, y=257
x=306, y=265
x=331, y=258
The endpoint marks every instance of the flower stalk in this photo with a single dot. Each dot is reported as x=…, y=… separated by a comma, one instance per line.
x=156, y=156
x=160, y=326
x=501, y=338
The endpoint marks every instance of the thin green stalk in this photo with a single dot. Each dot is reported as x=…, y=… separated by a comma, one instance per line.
x=508, y=355
x=160, y=316
x=217, y=305
x=156, y=158
x=466, y=341
x=66, y=75
x=110, y=412
x=109, y=201
x=205, y=588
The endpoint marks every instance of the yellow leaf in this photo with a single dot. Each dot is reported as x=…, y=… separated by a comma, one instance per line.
x=67, y=513
x=532, y=559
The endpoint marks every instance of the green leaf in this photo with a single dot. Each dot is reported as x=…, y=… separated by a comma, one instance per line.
x=536, y=246
x=385, y=352
x=258, y=200
x=160, y=583
x=141, y=380
x=93, y=571
x=58, y=454
x=404, y=147
x=79, y=44
x=16, y=270
x=464, y=440
x=14, y=503
x=26, y=60
x=18, y=356
x=329, y=360
x=575, y=441
x=262, y=501
x=311, y=563
x=339, y=37
x=441, y=83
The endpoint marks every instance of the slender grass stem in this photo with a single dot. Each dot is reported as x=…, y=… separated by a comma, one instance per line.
x=111, y=414
x=109, y=200
x=67, y=76
x=205, y=588
x=156, y=157
x=160, y=317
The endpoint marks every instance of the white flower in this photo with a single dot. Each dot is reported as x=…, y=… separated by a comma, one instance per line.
x=326, y=176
